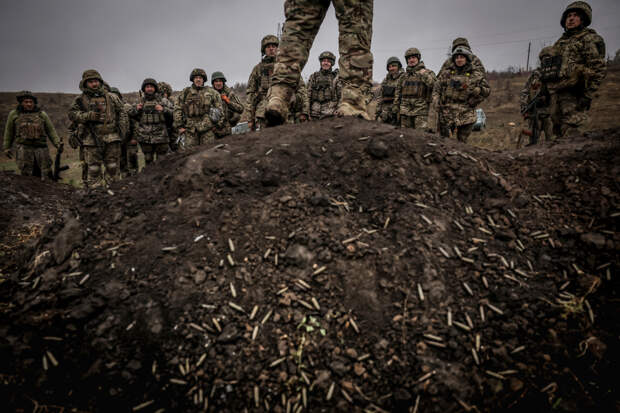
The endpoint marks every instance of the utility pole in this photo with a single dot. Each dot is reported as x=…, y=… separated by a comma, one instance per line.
x=527, y=66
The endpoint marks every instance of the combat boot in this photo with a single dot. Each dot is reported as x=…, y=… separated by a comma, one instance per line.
x=278, y=100
x=353, y=103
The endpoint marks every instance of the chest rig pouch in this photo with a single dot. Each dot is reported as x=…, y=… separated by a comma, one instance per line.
x=195, y=105
x=550, y=68
x=265, y=78
x=150, y=116
x=99, y=104
x=414, y=89
x=388, y=93
x=29, y=127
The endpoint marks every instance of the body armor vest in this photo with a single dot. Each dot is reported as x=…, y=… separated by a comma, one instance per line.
x=195, y=104
x=457, y=88
x=150, y=116
x=29, y=128
x=323, y=89
x=414, y=89
x=100, y=104
x=266, y=70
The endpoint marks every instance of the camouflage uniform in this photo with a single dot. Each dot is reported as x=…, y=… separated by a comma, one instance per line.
x=576, y=71
x=456, y=94
x=300, y=111
x=233, y=108
x=258, y=85
x=324, y=90
x=387, y=92
x=475, y=61
x=102, y=124
x=30, y=130
x=151, y=130
x=199, y=110
x=166, y=91
x=303, y=19
x=535, y=88
x=413, y=94
x=129, y=146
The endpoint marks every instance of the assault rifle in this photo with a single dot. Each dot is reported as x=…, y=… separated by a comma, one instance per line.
x=57, y=167
x=532, y=110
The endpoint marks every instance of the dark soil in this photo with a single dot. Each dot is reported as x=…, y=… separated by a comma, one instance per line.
x=316, y=268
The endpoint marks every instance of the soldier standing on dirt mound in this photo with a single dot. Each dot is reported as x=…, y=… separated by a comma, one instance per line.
x=475, y=61
x=457, y=92
x=414, y=92
x=151, y=116
x=199, y=111
x=303, y=19
x=233, y=108
x=29, y=128
x=388, y=91
x=576, y=70
x=259, y=81
x=324, y=88
x=104, y=125
x=535, y=92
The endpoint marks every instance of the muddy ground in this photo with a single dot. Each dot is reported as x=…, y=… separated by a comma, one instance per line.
x=338, y=265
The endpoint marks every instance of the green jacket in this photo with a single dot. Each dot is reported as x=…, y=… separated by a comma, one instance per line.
x=35, y=132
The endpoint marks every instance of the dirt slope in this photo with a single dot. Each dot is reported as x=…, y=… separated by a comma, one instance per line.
x=337, y=265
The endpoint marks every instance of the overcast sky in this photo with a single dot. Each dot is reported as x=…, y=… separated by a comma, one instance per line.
x=46, y=44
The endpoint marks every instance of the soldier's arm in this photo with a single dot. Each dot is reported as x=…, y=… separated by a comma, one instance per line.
x=9, y=130
x=430, y=81
x=397, y=95
x=235, y=104
x=524, y=96
x=76, y=113
x=251, y=93
x=310, y=86
x=121, y=116
x=50, y=130
x=168, y=108
x=218, y=104
x=177, y=113
x=595, y=63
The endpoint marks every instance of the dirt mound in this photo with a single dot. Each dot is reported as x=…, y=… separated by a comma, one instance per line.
x=337, y=265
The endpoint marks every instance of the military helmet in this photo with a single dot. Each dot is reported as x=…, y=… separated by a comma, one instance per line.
x=460, y=41
x=164, y=87
x=580, y=7
x=150, y=81
x=393, y=60
x=218, y=75
x=26, y=94
x=91, y=74
x=461, y=50
x=546, y=51
x=269, y=39
x=198, y=72
x=116, y=92
x=412, y=51
x=329, y=56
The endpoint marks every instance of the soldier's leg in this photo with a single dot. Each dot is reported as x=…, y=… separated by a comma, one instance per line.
x=93, y=161
x=406, y=121
x=147, y=150
x=112, y=155
x=84, y=166
x=303, y=19
x=192, y=139
x=124, y=156
x=421, y=122
x=161, y=149
x=546, y=126
x=43, y=159
x=132, y=158
x=463, y=132
x=24, y=158
x=355, y=63
x=444, y=127
x=572, y=119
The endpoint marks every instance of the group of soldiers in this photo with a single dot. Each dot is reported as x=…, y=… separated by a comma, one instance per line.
x=107, y=130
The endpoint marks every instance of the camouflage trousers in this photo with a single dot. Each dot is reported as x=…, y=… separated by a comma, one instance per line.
x=129, y=158
x=151, y=150
x=303, y=20
x=414, y=122
x=544, y=126
x=103, y=163
x=193, y=138
x=461, y=133
x=385, y=114
x=567, y=115
x=33, y=161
